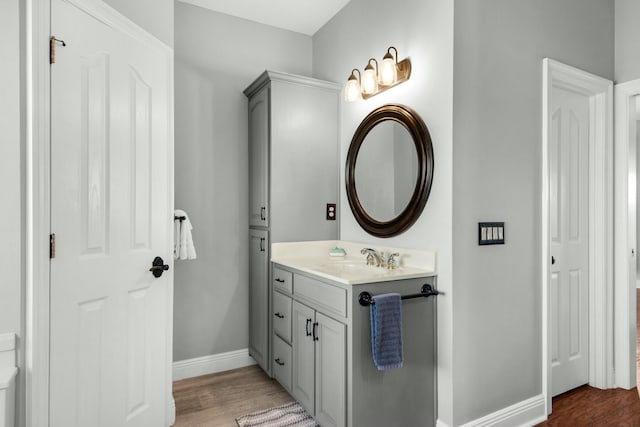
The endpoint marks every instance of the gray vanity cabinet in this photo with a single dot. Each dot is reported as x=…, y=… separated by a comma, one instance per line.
x=293, y=174
x=319, y=365
x=327, y=364
x=258, y=294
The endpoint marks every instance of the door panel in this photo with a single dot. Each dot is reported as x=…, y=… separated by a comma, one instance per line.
x=569, y=229
x=259, y=159
x=110, y=210
x=303, y=378
x=259, y=297
x=331, y=372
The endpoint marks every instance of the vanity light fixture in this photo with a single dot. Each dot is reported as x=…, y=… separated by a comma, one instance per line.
x=377, y=79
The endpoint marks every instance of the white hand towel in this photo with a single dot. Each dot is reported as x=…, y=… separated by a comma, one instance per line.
x=183, y=247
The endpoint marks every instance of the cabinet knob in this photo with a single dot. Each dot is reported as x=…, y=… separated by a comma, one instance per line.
x=278, y=315
x=262, y=244
x=262, y=213
x=315, y=331
x=279, y=362
x=279, y=280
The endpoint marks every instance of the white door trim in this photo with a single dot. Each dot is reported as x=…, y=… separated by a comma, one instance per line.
x=625, y=292
x=38, y=202
x=600, y=91
x=38, y=208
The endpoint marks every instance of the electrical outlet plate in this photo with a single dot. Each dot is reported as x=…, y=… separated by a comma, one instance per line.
x=491, y=233
x=331, y=212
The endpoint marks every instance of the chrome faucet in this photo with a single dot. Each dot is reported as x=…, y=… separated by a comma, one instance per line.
x=392, y=261
x=380, y=260
x=372, y=257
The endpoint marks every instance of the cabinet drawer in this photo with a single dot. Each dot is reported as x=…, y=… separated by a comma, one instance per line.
x=282, y=362
x=282, y=316
x=327, y=297
x=282, y=280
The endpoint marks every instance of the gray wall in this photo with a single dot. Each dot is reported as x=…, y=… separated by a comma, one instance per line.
x=217, y=57
x=627, y=39
x=423, y=31
x=10, y=168
x=11, y=180
x=499, y=47
x=155, y=16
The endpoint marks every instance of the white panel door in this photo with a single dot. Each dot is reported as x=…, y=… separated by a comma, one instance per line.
x=569, y=232
x=110, y=210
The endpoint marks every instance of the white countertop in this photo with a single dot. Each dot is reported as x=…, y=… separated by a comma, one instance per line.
x=313, y=258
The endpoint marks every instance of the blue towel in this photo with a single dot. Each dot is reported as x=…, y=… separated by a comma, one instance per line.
x=386, y=331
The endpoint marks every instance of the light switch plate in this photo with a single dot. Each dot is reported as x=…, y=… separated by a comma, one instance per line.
x=491, y=233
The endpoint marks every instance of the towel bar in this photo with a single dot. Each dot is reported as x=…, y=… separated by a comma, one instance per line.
x=366, y=299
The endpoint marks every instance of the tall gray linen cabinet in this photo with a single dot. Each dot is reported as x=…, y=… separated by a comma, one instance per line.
x=294, y=173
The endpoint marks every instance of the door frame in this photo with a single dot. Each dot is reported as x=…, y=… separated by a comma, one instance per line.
x=625, y=244
x=600, y=92
x=38, y=197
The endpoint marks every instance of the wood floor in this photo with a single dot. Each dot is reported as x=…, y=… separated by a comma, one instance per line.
x=587, y=406
x=218, y=399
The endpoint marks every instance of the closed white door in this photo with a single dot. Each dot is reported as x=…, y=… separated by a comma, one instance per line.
x=110, y=211
x=569, y=239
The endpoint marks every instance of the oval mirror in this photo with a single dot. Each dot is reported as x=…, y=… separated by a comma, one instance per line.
x=389, y=170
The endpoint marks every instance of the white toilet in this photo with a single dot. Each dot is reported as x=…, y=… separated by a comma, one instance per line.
x=8, y=373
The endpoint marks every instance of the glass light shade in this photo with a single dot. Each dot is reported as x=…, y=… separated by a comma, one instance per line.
x=369, y=80
x=352, y=90
x=388, y=71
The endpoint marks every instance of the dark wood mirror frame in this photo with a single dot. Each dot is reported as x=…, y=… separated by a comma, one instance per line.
x=424, y=148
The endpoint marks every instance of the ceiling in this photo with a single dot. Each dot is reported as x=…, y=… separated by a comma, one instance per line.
x=301, y=16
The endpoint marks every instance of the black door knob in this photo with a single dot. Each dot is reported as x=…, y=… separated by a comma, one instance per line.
x=158, y=267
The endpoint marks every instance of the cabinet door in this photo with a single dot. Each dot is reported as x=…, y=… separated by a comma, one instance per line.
x=331, y=362
x=259, y=297
x=259, y=159
x=302, y=387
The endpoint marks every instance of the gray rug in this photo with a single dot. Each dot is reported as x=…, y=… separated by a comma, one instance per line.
x=289, y=415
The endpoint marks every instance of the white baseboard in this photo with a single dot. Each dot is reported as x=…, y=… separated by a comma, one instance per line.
x=171, y=415
x=211, y=364
x=526, y=413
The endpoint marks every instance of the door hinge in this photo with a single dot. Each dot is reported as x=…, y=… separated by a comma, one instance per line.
x=52, y=48
x=52, y=245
